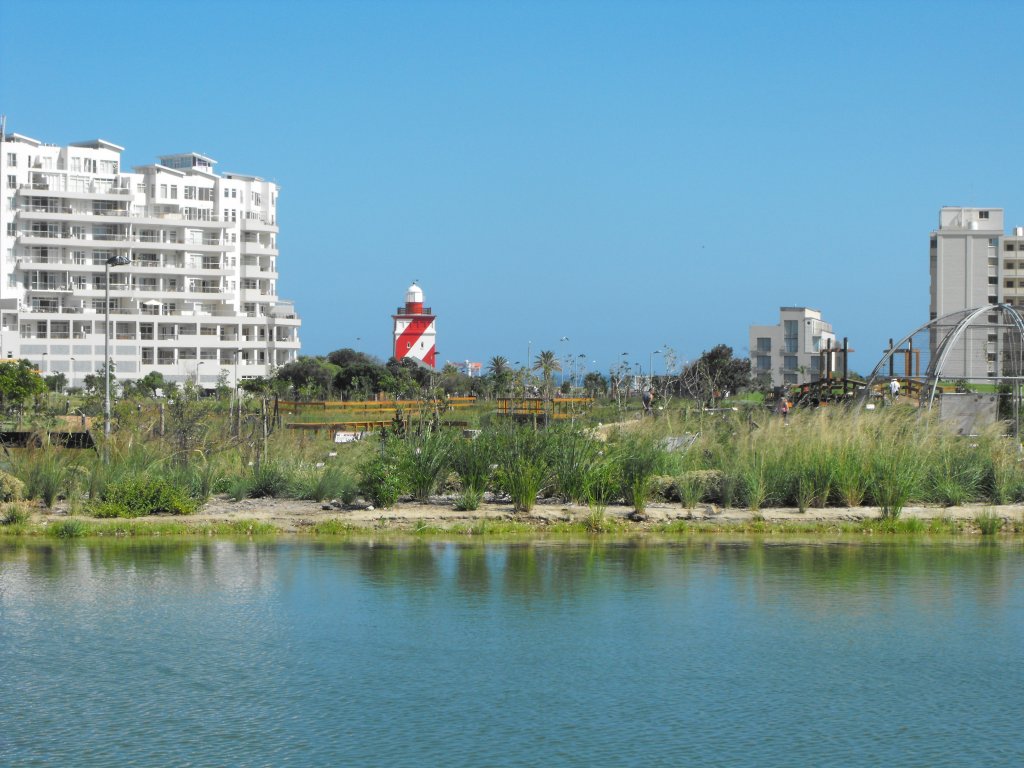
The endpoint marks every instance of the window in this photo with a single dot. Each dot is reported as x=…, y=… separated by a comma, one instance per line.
x=89, y=165
x=190, y=193
x=12, y=182
x=1006, y=283
x=789, y=362
x=174, y=191
x=163, y=190
x=993, y=300
x=12, y=160
x=993, y=280
x=764, y=363
x=11, y=231
x=791, y=329
x=764, y=344
x=1009, y=247
x=982, y=214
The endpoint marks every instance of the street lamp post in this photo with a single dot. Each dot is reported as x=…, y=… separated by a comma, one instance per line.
x=114, y=261
x=650, y=367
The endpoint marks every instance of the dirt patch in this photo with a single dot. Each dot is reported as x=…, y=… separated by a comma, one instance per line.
x=290, y=515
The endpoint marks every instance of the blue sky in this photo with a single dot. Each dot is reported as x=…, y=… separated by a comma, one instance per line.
x=625, y=174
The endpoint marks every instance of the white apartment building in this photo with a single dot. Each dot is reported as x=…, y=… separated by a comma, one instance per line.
x=197, y=298
x=973, y=263
x=791, y=350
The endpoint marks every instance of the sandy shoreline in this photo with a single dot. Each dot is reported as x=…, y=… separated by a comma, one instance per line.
x=292, y=516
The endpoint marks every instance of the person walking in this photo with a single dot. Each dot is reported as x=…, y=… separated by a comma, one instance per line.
x=894, y=390
x=782, y=408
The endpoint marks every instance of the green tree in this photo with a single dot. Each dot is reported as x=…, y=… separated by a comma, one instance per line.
x=56, y=382
x=188, y=421
x=548, y=365
x=309, y=377
x=19, y=381
x=500, y=375
x=595, y=384
x=715, y=373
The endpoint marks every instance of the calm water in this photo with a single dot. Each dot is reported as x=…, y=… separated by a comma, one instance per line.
x=707, y=653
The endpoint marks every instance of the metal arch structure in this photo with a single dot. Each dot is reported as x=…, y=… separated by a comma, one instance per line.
x=960, y=321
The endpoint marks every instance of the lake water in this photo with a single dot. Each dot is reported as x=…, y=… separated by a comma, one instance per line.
x=703, y=653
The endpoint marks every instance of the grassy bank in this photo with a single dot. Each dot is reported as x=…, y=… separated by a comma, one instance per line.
x=983, y=523
x=827, y=458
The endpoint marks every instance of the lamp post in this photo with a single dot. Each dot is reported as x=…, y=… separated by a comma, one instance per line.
x=650, y=367
x=114, y=261
x=71, y=373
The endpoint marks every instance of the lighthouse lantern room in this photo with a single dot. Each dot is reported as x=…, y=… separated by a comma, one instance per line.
x=415, y=332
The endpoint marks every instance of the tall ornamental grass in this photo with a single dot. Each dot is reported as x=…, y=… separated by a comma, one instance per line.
x=524, y=469
x=426, y=459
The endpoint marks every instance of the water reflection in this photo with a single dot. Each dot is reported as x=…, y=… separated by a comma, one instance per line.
x=566, y=652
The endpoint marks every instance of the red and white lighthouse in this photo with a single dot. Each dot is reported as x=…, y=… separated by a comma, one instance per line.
x=415, y=332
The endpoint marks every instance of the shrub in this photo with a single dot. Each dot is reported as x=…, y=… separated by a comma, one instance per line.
x=67, y=529
x=139, y=495
x=11, y=488
x=523, y=468
x=694, y=485
x=381, y=480
x=15, y=515
x=471, y=459
x=640, y=459
x=327, y=483
x=268, y=479
x=895, y=475
x=425, y=460
x=602, y=486
x=572, y=454
x=989, y=522
x=468, y=500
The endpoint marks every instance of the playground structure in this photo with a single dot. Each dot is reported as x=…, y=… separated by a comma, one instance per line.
x=834, y=384
x=372, y=414
x=981, y=348
x=541, y=410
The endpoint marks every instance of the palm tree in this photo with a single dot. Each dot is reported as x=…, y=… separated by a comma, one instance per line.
x=498, y=365
x=548, y=364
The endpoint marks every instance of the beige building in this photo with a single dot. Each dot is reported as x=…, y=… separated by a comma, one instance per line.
x=191, y=255
x=790, y=350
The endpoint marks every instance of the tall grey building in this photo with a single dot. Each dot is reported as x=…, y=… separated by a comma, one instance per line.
x=973, y=263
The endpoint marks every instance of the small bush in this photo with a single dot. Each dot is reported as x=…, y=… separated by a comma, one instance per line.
x=640, y=460
x=468, y=500
x=269, y=479
x=426, y=460
x=523, y=467
x=67, y=529
x=472, y=461
x=601, y=486
x=139, y=495
x=15, y=515
x=327, y=483
x=11, y=488
x=381, y=480
x=989, y=522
